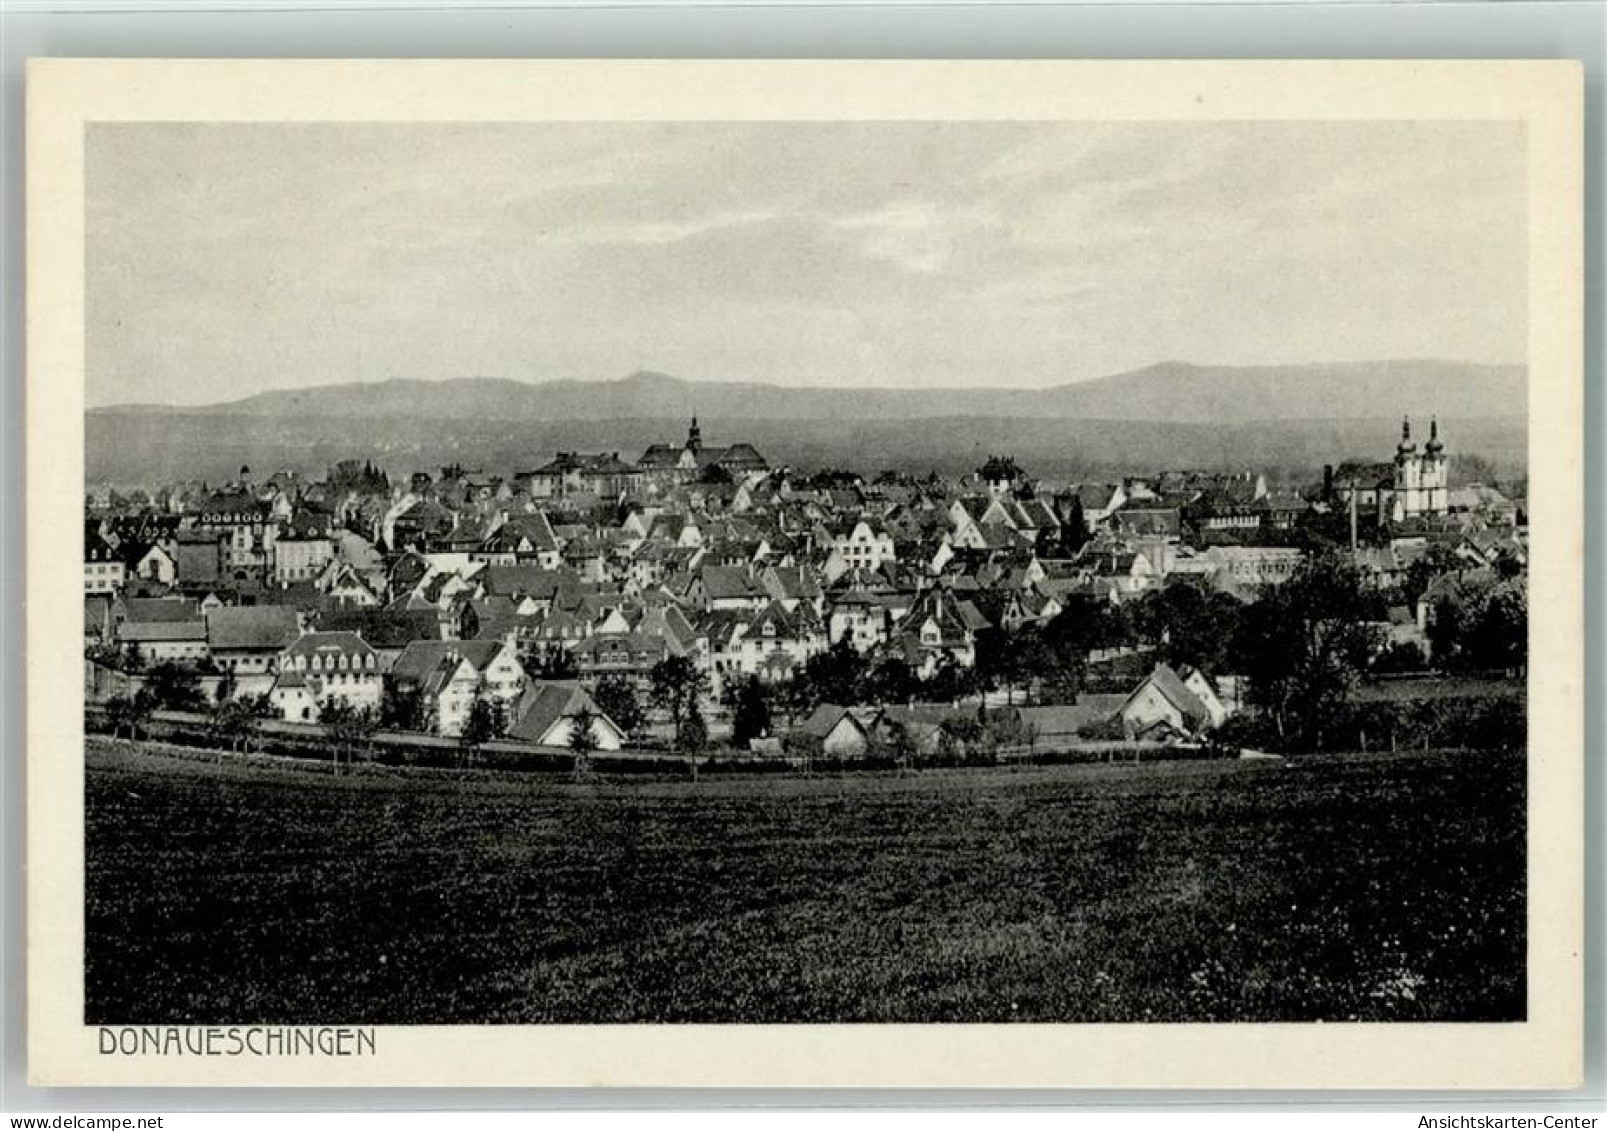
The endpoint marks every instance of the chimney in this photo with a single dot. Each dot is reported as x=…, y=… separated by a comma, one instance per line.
x=1327, y=481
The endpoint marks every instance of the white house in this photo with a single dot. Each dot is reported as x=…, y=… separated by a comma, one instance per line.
x=864, y=545
x=321, y=667
x=840, y=732
x=449, y=674
x=547, y=711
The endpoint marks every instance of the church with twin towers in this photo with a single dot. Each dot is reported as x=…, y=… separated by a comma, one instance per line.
x=1422, y=485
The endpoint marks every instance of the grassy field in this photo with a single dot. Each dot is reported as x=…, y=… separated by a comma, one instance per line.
x=1346, y=887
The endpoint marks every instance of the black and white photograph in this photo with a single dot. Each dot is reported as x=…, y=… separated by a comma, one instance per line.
x=804, y=572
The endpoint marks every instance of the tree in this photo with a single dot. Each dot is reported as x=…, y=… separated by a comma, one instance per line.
x=901, y=747
x=999, y=469
x=1009, y=659
x=582, y=739
x=714, y=474
x=616, y=697
x=1303, y=645
x=1500, y=635
x=890, y=680
x=837, y=675
x=1481, y=624
x=1086, y=623
x=1187, y=624
x=233, y=722
x=806, y=748
x=402, y=707
x=950, y=680
x=751, y=717
x=960, y=735
x=130, y=713
x=692, y=737
x=175, y=687
x=677, y=685
x=1074, y=528
x=348, y=728
x=1446, y=629
x=1422, y=571
x=481, y=724
x=1060, y=675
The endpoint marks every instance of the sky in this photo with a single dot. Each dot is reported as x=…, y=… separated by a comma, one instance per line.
x=226, y=259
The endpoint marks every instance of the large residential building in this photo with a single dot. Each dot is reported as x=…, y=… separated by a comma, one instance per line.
x=322, y=667
x=667, y=464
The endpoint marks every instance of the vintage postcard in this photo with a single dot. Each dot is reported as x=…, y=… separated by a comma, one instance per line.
x=804, y=573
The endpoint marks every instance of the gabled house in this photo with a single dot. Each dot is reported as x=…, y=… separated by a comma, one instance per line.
x=386, y=631
x=865, y=619
x=525, y=539
x=150, y=562
x=104, y=568
x=1098, y=501
x=448, y=675
x=862, y=543
x=547, y=712
x=772, y=644
x=724, y=588
x=941, y=623
x=303, y=549
x=1166, y=704
x=841, y=733
x=792, y=586
x=346, y=587
x=629, y=654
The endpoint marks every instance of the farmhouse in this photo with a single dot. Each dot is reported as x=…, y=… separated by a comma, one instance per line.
x=163, y=628
x=547, y=711
x=248, y=640
x=840, y=732
x=1169, y=704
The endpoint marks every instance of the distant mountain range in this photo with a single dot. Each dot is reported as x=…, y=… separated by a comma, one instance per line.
x=1294, y=418
x=1170, y=392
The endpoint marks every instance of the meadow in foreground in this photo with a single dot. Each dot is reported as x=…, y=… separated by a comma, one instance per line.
x=1334, y=888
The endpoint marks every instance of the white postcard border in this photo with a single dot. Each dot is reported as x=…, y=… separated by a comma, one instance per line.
x=1544, y=1051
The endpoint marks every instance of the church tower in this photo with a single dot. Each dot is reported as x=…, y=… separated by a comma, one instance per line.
x=1421, y=486
x=1434, y=475
x=1407, y=474
x=694, y=438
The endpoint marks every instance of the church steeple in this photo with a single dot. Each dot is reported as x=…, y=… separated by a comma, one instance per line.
x=694, y=437
x=1433, y=446
x=1406, y=447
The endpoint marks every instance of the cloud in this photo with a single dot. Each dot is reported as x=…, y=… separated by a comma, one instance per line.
x=227, y=258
